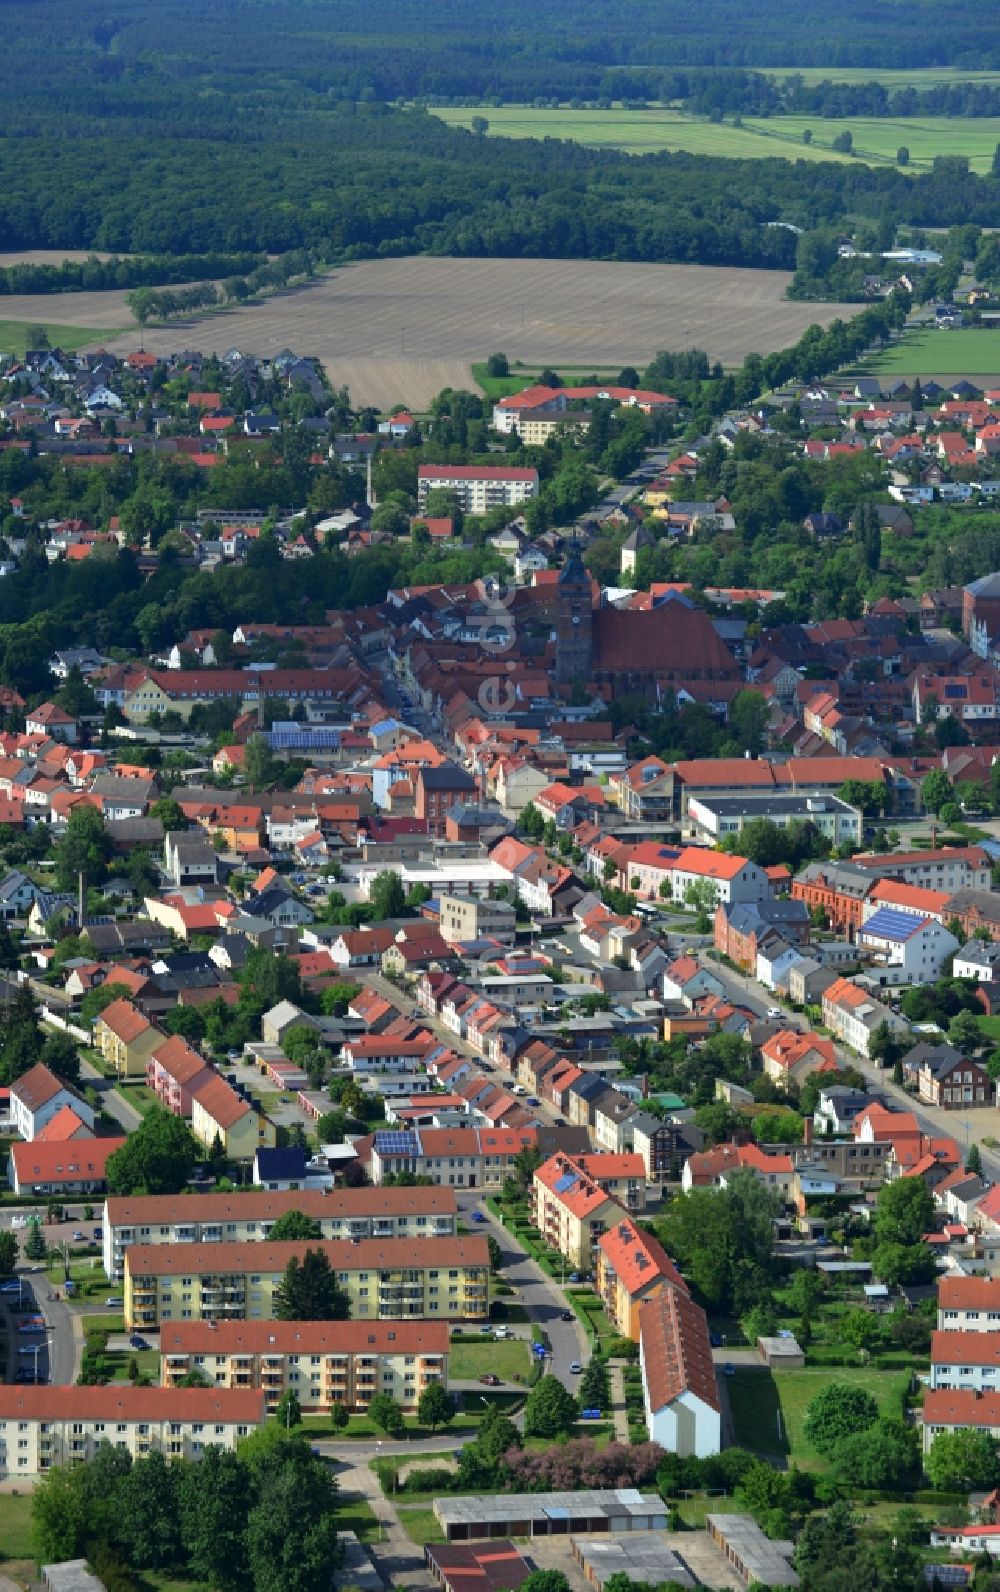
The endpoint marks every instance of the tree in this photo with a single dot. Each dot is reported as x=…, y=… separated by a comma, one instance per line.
x=703, y=896
x=995, y=164
x=896, y=1264
x=860, y=1329
x=288, y=1410
x=838, y=1411
x=550, y=1410
x=480, y=126
x=963, y=1460
x=291, y=1534
x=387, y=896
x=60, y=1055
x=965, y=1033
x=213, y=1500
x=98, y=1000
x=259, y=765
x=20, y=1037
x=339, y=1417
x=974, y=1161
x=902, y=156
x=294, y=1225
x=498, y=365
x=147, y=1514
x=904, y=1212
x=59, y=1524
x=886, y=1456
x=546, y=1581
x=434, y=1407
x=310, y=1291
x=34, y=1247
x=84, y=848
x=170, y=814
x=157, y=1158
x=386, y=1414
x=936, y=790
x=593, y=1391
x=8, y=1252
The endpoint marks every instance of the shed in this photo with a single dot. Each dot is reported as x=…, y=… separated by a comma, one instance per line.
x=781, y=1354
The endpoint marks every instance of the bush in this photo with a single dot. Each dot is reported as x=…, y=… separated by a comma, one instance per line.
x=431, y=1478
x=839, y=1410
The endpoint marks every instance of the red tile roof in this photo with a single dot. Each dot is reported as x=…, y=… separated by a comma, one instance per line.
x=676, y=1351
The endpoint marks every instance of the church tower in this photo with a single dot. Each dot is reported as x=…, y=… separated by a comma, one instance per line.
x=574, y=621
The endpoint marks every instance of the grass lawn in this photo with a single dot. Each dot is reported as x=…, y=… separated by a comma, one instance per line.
x=87, y=1275
x=509, y=1359
x=769, y=1411
x=14, y=335
x=990, y=1026
x=357, y=1515
x=974, y=351
x=420, y=1526
x=522, y=375
x=15, y=1526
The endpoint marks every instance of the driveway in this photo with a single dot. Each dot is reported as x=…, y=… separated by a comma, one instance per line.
x=112, y=1102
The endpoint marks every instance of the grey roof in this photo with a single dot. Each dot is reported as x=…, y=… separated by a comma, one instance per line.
x=448, y=777
x=591, y=1503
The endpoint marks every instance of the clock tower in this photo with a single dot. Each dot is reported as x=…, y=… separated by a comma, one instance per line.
x=574, y=621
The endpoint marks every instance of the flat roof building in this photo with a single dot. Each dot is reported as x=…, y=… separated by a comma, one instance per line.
x=594, y=1510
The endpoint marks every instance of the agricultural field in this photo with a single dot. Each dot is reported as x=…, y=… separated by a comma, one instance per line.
x=876, y=139
x=397, y=331
x=918, y=77
x=14, y=334
x=636, y=132
x=972, y=352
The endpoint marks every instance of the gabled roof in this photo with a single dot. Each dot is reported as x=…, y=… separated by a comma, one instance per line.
x=676, y=1350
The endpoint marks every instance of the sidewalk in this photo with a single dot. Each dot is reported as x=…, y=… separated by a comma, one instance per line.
x=616, y=1377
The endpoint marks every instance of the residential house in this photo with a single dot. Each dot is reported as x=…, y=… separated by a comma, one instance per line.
x=220, y=1114
x=126, y=1038
x=67, y=1167
x=631, y=1266
x=680, y=1391
x=792, y=1056
x=38, y=1096
x=175, y=1072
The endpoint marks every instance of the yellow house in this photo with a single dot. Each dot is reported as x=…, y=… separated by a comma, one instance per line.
x=325, y=1362
x=218, y=1112
x=126, y=1039
x=657, y=500
x=631, y=1268
x=148, y=698
x=386, y=1279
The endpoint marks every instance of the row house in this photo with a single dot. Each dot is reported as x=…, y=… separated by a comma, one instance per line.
x=968, y=1304
x=447, y=1278
x=631, y=1266
x=44, y=1427
x=854, y=1016
x=965, y=1360
x=322, y=1362
x=249, y=1215
x=175, y=1072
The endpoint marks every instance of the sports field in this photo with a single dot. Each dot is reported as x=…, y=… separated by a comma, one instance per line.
x=970, y=352
x=876, y=140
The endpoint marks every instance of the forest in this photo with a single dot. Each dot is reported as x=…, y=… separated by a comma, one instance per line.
x=276, y=127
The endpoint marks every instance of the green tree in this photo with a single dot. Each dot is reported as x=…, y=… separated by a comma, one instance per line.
x=965, y=1033
x=158, y=1157
x=386, y=1414
x=973, y=1160
x=34, y=1247
x=839, y=1410
x=60, y=1055
x=339, y=1417
x=434, y=1407
x=936, y=790
x=260, y=766
x=550, y=1410
x=294, y=1225
x=545, y=1581
x=288, y=1410
x=169, y=812
x=860, y=1329
x=387, y=896
x=309, y=1291
x=702, y=895
x=8, y=1252
x=147, y=1528
x=213, y=1502
x=904, y=1212
x=963, y=1461
x=885, y=1456
x=60, y=1528
x=20, y=1037
x=291, y=1535
x=98, y=1000
x=84, y=848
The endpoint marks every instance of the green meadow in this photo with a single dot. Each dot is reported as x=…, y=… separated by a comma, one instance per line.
x=14, y=336
x=930, y=352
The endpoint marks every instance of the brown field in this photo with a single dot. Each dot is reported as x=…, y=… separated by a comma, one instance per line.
x=51, y=256
x=400, y=330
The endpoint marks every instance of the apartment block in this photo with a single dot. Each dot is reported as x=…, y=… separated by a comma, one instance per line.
x=249, y=1215
x=323, y=1362
x=45, y=1426
x=969, y=1304
x=576, y=1199
x=386, y=1279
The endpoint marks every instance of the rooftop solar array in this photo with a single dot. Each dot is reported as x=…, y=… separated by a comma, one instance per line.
x=397, y=1144
x=888, y=923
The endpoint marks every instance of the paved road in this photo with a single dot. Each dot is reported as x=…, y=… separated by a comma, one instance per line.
x=399, y=1561
x=60, y=1348
x=542, y=1299
x=113, y=1103
x=932, y=1121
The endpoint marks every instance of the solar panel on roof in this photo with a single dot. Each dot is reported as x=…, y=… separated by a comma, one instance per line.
x=565, y=1182
x=889, y=923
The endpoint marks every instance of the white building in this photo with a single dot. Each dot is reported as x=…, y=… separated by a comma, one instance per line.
x=980, y=959
x=37, y=1096
x=917, y=948
x=680, y=1392
x=478, y=488
x=966, y=1360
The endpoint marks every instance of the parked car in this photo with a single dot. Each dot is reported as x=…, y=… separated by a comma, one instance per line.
x=97, y=1232
x=567, y=1315
x=136, y=1342
x=477, y=1216
x=111, y=1301
x=79, y=1237
x=729, y=1369
x=576, y=1368
x=490, y=1380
